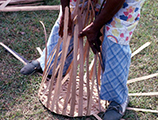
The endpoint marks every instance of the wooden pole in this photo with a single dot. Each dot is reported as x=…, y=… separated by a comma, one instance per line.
x=142, y=78
x=140, y=49
x=30, y=8
x=143, y=110
x=144, y=94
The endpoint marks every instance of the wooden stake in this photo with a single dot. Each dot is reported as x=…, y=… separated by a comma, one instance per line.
x=4, y=4
x=140, y=49
x=80, y=105
x=30, y=8
x=143, y=110
x=50, y=86
x=144, y=94
x=142, y=78
x=66, y=40
x=14, y=53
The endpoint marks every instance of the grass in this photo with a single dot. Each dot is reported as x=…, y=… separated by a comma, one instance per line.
x=22, y=32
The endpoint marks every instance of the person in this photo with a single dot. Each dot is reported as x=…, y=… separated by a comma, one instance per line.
x=119, y=19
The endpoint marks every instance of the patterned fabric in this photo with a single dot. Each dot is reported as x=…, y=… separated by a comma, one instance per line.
x=52, y=42
x=120, y=28
x=116, y=59
x=97, y=4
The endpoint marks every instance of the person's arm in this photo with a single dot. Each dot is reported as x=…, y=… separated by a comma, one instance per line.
x=64, y=4
x=110, y=9
x=92, y=31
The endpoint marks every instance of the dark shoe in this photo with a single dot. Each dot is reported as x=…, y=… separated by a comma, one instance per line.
x=115, y=111
x=31, y=67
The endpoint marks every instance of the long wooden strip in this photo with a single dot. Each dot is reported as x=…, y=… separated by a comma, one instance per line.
x=143, y=110
x=66, y=41
x=98, y=87
x=87, y=83
x=4, y=4
x=142, y=78
x=144, y=94
x=24, y=61
x=80, y=105
x=140, y=49
x=39, y=50
x=96, y=116
x=73, y=98
x=30, y=8
x=66, y=99
x=50, y=86
x=91, y=92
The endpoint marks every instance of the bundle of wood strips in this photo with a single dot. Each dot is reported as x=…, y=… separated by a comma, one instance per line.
x=77, y=93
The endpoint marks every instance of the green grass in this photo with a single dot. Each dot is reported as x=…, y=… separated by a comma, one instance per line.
x=22, y=32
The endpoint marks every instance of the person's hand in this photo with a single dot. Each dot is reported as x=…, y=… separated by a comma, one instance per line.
x=93, y=36
x=61, y=27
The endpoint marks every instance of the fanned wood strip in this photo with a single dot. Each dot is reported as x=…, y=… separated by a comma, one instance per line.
x=87, y=83
x=142, y=78
x=96, y=74
x=73, y=98
x=144, y=94
x=50, y=86
x=80, y=105
x=99, y=73
x=66, y=41
x=67, y=97
x=143, y=110
x=30, y=8
x=45, y=33
x=91, y=90
x=59, y=78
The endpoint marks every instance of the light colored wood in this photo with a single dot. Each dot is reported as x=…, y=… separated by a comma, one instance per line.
x=87, y=85
x=21, y=1
x=45, y=35
x=142, y=78
x=142, y=110
x=2, y=44
x=39, y=50
x=140, y=49
x=80, y=107
x=73, y=98
x=97, y=82
x=96, y=116
x=30, y=8
x=66, y=40
x=50, y=86
x=2, y=6
x=76, y=99
x=144, y=94
x=67, y=97
x=91, y=90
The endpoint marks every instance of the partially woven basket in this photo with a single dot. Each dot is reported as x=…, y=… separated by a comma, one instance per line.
x=76, y=94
